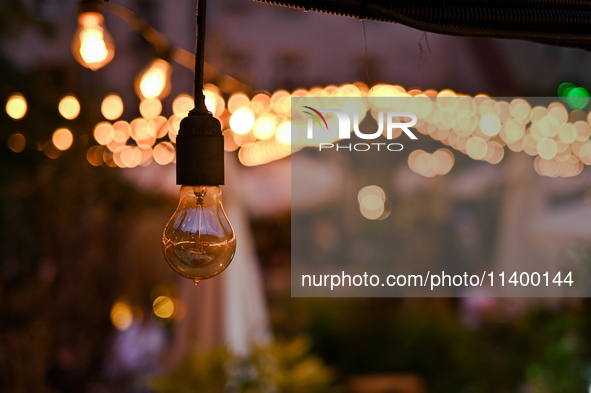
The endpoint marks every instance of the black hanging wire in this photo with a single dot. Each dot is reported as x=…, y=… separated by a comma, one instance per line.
x=200, y=142
x=200, y=107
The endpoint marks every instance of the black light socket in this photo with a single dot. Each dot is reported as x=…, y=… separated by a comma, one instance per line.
x=89, y=6
x=200, y=151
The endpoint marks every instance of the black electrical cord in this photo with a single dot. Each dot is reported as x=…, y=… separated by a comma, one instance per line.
x=200, y=142
x=200, y=107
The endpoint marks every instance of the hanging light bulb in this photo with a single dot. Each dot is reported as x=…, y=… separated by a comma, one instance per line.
x=92, y=45
x=198, y=241
x=154, y=80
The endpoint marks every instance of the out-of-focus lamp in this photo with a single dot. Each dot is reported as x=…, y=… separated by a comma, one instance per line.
x=199, y=241
x=92, y=45
x=154, y=80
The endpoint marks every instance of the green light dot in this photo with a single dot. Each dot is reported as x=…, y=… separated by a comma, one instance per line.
x=563, y=87
x=577, y=98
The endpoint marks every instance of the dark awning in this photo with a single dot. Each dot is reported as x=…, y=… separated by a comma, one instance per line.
x=555, y=22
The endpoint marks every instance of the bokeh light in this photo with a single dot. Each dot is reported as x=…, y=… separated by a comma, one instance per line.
x=121, y=315
x=264, y=128
x=154, y=80
x=182, y=104
x=283, y=133
x=547, y=148
x=112, y=107
x=163, y=307
x=69, y=107
x=17, y=142
x=103, y=133
x=371, y=202
x=62, y=139
x=476, y=148
x=150, y=108
x=164, y=153
x=16, y=106
x=92, y=45
x=490, y=124
x=94, y=155
x=242, y=120
x=238, y=101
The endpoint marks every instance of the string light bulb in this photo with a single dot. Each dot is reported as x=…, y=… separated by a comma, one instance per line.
x=154, y=80
x=92, y=45
x=199, y=241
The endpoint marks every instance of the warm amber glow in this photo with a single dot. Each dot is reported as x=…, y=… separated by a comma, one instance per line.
x=490, y=124
x=150, y=108
x=51, y=151
x=94, y=155
x=371, y=202
x=238, y=101
x=259, y=153
x=174, y=123
x=513, y=131
x=164, y=153
x=427, y=165
x=16, y=106
x=548, y=126
x=211, y=102
x=17, y=142
x=121, y=316
x=154, y=80
x=103, y=133
x=182, y=104
x=121, y=131
x=371, y=213
x=547, y=148
x=112, y=107
x=260, y=103
x=229, y=142
x=92, y=45
x=446, y=160
x=242, y=121
x=476, y=148
x=62, y=139
x=163, y=307
x=69, y=107
x=583, y=131
x=158, y=126
x=130, y=156
x=371, y=190
x=283, y=133
x=264, y=127
x=213, y=99
x=279, y=102
x=478, y=126
x=147, y=156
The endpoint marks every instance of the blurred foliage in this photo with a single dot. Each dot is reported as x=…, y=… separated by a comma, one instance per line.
x=281, y=367
x=539, y=349
x=64, y=228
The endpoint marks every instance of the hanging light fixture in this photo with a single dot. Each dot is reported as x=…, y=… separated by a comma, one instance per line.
x=92, y=45
x=199, y=241
x=154, y=80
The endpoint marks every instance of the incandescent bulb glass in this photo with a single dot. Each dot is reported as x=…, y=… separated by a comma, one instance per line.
x=154, y=80
x=199, y=241
x=92, y=45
